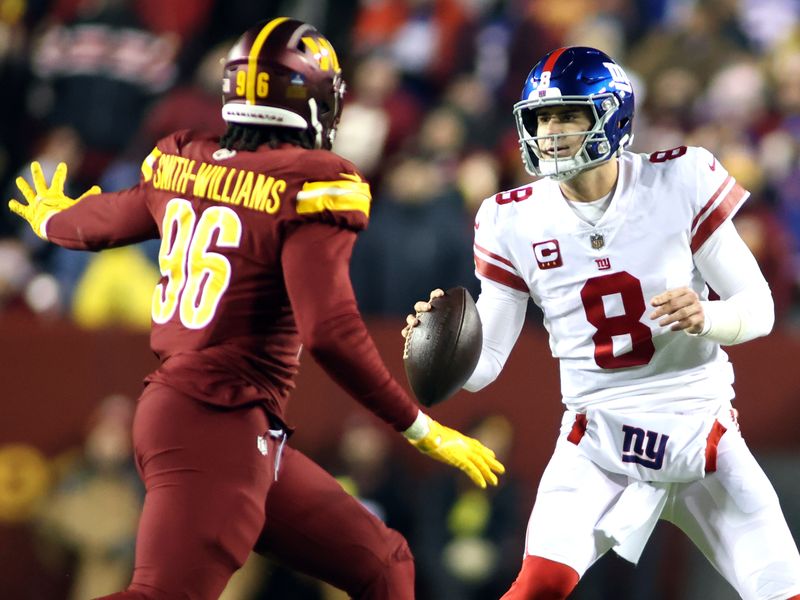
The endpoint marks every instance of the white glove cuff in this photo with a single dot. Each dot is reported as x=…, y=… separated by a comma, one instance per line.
x=42, y=233
x=419, y=428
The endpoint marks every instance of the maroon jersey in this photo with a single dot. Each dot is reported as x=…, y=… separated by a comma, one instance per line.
x=255, y=262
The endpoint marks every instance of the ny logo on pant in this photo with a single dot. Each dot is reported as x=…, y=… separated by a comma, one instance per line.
x=634, y=449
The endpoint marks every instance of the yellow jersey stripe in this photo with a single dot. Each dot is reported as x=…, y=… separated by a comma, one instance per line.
x=252, y=59
x=149, y=163
x=336, y=201
x=331, y=191
x=351, y=186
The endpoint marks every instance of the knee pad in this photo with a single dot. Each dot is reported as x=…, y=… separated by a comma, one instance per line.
x=542, y=579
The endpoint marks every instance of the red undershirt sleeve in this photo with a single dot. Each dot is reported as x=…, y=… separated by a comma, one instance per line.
x=316, y=264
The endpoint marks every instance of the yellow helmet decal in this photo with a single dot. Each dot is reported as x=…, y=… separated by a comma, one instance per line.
x=323, y=52
x=252, y=61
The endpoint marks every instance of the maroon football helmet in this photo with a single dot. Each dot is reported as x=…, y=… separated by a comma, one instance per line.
x=284, y=73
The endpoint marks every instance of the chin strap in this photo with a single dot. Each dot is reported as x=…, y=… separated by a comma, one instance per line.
x=316, y=126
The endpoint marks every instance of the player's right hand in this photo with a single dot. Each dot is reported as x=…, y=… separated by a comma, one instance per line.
x=680, y=308
x=420, y=307
x=458, y=450
x=44, y=201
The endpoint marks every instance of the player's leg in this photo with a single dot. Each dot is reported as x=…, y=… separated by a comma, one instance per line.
x=315, y=527
x=542, y=579
x=560, y=545
x=734, y=518
x=205, y=483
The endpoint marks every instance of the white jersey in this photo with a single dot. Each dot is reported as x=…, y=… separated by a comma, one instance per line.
x=594, y=282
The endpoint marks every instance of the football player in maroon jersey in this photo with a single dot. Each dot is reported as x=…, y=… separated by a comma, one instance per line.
x=257, y=229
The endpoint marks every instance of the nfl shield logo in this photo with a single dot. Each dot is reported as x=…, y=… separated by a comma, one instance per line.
x=597, y=241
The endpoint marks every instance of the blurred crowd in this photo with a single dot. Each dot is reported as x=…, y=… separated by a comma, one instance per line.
x=427, y=117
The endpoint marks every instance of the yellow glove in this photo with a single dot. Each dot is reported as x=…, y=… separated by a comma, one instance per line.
x=45, y=201
x=455, y=449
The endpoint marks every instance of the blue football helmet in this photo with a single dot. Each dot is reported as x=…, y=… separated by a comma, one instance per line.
x=576, y=76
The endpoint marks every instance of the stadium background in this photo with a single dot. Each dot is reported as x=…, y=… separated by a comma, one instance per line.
x=428, y=118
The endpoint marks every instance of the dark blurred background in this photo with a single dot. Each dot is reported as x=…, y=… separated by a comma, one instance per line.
x=427, y=117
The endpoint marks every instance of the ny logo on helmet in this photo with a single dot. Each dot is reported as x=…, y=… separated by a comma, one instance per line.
x=619, y=78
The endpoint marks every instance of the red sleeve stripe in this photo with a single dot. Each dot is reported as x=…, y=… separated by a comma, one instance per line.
x=500, y=275
x=496, y=257
x=710, y=203
x=724, y=209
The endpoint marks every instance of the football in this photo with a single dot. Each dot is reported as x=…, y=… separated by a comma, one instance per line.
x=443, y=350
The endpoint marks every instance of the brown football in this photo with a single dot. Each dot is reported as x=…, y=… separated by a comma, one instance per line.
x=443, y=350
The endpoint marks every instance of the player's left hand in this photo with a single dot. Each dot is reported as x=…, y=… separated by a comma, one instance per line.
x=43, y=201
x=680, y=308
x=458, y=450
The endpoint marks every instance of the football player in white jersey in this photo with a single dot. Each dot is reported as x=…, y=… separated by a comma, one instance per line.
x=619, y=250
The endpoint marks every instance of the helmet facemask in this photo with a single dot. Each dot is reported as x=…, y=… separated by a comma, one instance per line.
x=594, y=150
x=324, y=119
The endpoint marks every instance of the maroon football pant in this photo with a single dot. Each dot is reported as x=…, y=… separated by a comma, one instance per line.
x=212, y=498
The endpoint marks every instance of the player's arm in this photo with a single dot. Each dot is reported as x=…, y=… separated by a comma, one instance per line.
x=503, y=298
x=315, y=261
x=502, y=312
x=93, y=221
x=104, y=221
x=745, y=310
